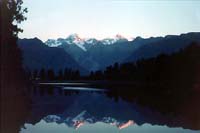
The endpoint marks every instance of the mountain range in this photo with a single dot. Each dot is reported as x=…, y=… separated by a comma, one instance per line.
x=81, y=42
x=79, y=108
x=85, y=118
x=36, y=55
x=92, y=54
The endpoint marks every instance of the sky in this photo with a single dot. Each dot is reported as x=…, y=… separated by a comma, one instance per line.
x=51, y=19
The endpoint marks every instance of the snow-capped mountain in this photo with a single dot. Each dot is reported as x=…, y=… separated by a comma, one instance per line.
x=75, y=39
x=71, y=39
x=93, y=54
x=36, y=55
x=91, y=41
x=52, y=43
x=108, y=41
x=117, y=38
x=85, y=118
x=80, y=42
x=88, y=51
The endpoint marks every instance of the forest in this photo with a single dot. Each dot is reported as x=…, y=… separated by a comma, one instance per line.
x=179, y=68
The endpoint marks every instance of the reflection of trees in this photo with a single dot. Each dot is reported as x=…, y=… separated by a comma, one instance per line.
x=13, y=99
x=167, y=83
x=173, y=69
x=164, y=82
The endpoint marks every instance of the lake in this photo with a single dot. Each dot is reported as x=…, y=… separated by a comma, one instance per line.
x=64, y=108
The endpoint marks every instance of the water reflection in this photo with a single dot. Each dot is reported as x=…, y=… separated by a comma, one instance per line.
x=100, y=127
x=61, y=109
x=14, y=109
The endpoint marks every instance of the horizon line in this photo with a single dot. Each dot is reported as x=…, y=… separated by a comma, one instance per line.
x=99, y=39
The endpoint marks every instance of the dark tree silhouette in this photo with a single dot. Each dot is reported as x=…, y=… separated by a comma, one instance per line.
x=66, y=74
x=173, y=79
x=35, y=74
x=75, y=75
x=60, y=75
x=178, y=68
x=12, y=100
x=42, y=74
x=50, y=74
x=11, y=15
x=70, y=74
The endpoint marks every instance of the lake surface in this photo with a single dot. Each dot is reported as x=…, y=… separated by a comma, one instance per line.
x=61, y=109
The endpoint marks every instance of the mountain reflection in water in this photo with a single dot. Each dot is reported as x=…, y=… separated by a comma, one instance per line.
x=65, y=109
x=100, y=127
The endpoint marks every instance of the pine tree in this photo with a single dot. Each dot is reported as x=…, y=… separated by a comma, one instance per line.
x=12, y=14
x=13, y=102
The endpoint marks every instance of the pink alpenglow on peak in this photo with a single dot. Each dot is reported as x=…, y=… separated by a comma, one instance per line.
x=125, y=125
x=77, y=38
x=120, y=36
x=78, y=124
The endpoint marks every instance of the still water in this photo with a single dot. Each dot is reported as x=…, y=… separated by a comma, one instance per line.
x=58, y=109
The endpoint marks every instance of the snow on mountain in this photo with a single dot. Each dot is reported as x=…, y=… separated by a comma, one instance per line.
x=75, y=39
x=108, y=41
x=117, y=38
x=71, y=39
x=52, y=118
x=52, y=43
x=85, y=117
x=91, y=41
x=81, y=116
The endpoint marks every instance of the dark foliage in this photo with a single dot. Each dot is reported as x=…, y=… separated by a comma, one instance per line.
x=13, y=99
x=50, y=74
x=42, y=74
x=164, y=83
x=11, y=66
x=177, y=68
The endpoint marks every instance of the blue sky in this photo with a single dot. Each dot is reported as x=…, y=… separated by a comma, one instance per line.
x=106, y=18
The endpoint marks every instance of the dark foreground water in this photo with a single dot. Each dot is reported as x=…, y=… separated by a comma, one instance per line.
x=59, y=109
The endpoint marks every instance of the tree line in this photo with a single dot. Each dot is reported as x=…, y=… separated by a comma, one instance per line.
x=50, y=74
x=178, y=68
x=164, y=82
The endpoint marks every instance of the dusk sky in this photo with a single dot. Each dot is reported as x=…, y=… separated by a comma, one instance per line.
x=106, y=18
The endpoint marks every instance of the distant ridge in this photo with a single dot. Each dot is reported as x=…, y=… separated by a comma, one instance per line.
x=36, y=55
x=92, y=54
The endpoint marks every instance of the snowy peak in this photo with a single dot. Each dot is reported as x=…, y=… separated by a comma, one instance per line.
x=85, y=118
x=74, y=39
x=52, y=43
x=117, y=38
x=92, y=41
x=80, y=42
x=108, y=41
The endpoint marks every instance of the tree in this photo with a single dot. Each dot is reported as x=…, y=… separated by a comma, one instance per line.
x=35, y=74
x=76, y=75
x=13, y=101
x=66, y=74
x=50, y=74
x=60, y=75
x=12, y=14
x=42, y=74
